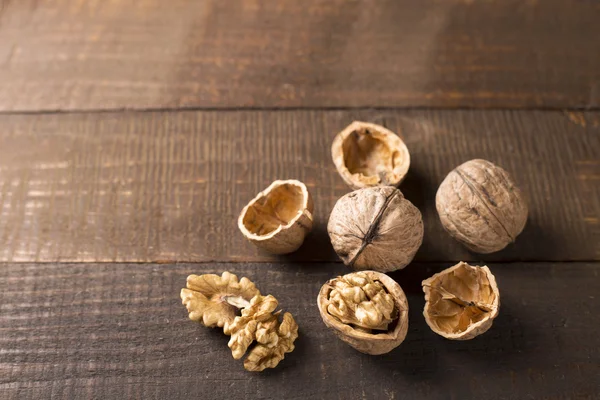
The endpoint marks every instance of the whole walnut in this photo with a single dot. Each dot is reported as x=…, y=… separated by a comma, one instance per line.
x=375, y=228
x=480, y=206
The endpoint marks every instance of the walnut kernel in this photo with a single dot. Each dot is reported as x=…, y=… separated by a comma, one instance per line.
x=259, y=323
x=480, y=206
x=368, y=155
x=366, y=309
x=215, y=301
x=278, y=218
x=375, y=228
x=461, y=302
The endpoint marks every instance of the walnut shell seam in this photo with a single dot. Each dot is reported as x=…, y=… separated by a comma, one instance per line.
x=480, y=206
x=375, y=228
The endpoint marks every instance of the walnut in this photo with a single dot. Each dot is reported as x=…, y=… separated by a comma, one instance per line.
x=480, y=206
x=461, y=302
x=259, y=323
x=279, y=217
x=366, y=309
x=214, y=301
x=368, y=155
x=375, y=228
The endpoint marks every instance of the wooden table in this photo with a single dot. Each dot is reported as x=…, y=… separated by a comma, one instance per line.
x=132, y=133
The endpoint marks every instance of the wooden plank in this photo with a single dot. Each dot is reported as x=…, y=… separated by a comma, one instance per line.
x=119, y=331
x=81, y=54
x=169, y=186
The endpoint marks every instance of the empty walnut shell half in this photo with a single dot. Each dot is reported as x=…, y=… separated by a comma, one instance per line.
x=461, y=302
x=366, y=309
x=375, y=228
x=368, y=155
x=278, y=218
x=480, y=206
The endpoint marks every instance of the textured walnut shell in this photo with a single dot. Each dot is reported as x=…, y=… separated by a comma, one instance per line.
x=367, y=155
x=375, y=228
x=461, y=302
x=480, y=206
x=369, y=343
x=278, y=218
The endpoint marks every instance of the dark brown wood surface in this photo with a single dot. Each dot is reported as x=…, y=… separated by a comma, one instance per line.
x=132, y=133
x=81, y=54
x=120, y=331
x=169, y=186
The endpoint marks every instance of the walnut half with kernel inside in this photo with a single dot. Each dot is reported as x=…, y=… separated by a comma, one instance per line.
x=260, y=331
x=366, y=309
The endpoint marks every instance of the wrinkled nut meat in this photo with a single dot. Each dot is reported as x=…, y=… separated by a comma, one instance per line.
x=367, y=155
x=367, y=309
x=279, y=217
x=461, y=302
x=259, y=323
x=375, y=228
x=216, y=300
x=480, y=206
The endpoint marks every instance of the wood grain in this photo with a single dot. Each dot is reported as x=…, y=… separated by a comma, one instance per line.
x=81, y=54
x=169, y=186
x=120, y=331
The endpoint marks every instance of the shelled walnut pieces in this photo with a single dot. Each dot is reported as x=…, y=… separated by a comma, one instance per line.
x=481, y=207
x=367, y=309
x=260, y=323
x=375, y=229
x=278, y=218
x=367, y=155
x=215, y=300
x=461, y=302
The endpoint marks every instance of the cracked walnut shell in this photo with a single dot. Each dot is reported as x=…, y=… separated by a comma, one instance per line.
x=375, y=228
x=278, y=218
x=461, y=302
x=366, y=309
x=367, y=155
x=480, y=206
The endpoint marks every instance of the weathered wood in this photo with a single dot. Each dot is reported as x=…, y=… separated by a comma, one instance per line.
x=169, y=186
x=120, y=331
x=81, y=54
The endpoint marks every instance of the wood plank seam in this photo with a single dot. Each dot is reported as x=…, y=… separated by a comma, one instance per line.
x=122, y=187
